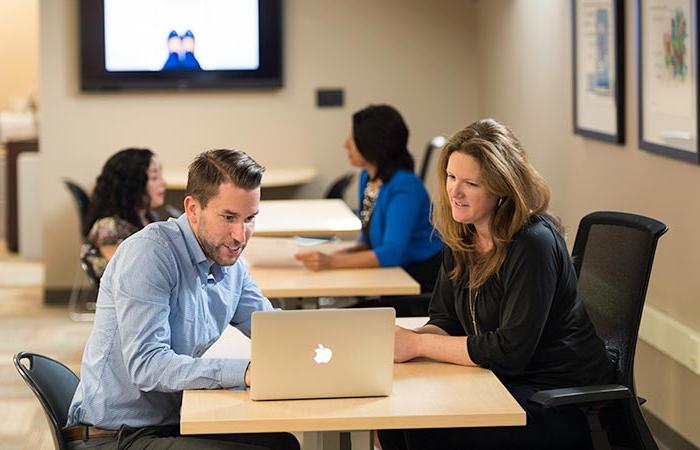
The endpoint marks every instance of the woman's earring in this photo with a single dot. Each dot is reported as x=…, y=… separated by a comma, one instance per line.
x=500, y=200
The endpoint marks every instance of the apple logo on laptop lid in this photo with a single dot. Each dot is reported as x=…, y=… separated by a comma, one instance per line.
x=323, y=354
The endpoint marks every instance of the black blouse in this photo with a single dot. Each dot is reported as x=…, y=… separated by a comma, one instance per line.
x=533, y=328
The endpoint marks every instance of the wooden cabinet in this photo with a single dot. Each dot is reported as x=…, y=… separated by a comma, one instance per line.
x=13, y=149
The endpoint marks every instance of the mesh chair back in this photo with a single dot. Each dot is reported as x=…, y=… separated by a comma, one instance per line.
x=613, y=255
x=82, y=202
x=53, y=384
x=436, y=142
x=339, y=186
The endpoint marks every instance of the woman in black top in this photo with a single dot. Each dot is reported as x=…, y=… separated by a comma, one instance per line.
x=507, y=284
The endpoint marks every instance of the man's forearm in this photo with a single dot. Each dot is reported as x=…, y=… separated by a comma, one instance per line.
x=175, y=373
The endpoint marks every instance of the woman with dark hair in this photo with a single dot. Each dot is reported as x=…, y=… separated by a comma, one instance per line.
x=395, y=207
x=130, y=185
x=506, y=297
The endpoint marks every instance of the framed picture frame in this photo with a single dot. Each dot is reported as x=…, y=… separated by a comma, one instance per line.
x=668, y=78
x=598, y=69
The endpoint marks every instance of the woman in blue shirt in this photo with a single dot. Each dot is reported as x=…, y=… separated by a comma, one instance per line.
x=394, y=205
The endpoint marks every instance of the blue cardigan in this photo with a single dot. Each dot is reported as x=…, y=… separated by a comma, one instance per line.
x=400, y=232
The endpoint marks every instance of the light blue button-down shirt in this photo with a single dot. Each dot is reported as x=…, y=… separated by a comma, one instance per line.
x=161, y=305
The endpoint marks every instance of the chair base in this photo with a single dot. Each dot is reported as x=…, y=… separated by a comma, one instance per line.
x=77, y=294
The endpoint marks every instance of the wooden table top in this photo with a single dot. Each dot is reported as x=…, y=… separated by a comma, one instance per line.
x=291, y=282
x=176, y=178
x=307, y=217
x=425, y=394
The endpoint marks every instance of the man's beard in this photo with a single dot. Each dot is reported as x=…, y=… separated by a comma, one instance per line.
x=211, y=251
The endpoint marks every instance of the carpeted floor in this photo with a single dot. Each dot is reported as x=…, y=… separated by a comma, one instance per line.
x=27, y=325
x=51, y=333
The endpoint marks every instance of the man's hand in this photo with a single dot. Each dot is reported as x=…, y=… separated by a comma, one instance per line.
x=406, y=344
x=247, y=376
x=314, y=260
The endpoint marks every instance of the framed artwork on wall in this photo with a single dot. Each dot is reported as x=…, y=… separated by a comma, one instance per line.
x=598, y=69
x=668, y=78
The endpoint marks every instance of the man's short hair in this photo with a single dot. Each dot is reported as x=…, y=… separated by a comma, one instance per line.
x=213, y=168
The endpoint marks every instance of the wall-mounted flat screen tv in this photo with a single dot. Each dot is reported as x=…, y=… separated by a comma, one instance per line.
x=146, y=44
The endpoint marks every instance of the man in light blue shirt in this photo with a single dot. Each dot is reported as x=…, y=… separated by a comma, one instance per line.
x=166, y=296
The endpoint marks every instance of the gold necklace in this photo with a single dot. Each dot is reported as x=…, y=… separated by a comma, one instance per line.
x=369, y=200
x=472, y=309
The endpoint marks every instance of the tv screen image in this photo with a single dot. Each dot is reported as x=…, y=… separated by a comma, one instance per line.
x=181, y=34
x=180, y=43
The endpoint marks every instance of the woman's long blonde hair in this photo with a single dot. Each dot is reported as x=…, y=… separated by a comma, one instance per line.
x=506, y=173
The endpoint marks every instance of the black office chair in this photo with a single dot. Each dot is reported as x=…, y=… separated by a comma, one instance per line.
x=82, y=204
x=53, y=384
x=81, y=200
x=436, y=142
x=339, y=186
x=613, y=255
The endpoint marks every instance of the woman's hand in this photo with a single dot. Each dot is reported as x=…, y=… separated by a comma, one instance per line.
x=405, y=344
x=314, y=260
x=108, y=251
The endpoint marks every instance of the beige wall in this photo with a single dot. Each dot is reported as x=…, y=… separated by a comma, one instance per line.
x=525, y=73
x=416, y=55
x=19, y=39
x=442, y=63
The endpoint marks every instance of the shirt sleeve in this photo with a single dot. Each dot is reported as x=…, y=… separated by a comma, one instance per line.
x=442, y=303
x=251, y=300
x=529, y=276
x=143, y=277
x=401, y=215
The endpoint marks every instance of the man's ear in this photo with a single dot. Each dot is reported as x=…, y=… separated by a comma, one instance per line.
x=192, y=208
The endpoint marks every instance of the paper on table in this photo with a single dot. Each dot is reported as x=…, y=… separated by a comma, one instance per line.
x=279, y=252
x=271, y=252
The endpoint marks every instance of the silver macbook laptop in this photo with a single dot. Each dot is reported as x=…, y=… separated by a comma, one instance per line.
x=322, y=353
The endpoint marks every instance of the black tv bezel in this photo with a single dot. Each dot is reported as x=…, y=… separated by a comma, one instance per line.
x=94, y=76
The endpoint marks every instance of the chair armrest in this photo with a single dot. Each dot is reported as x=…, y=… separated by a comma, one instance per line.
x=551, y=398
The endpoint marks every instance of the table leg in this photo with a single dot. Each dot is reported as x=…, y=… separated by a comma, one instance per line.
x=334, y=440
x=331, y=440
x=325, y=440
x=310, y=440
x=362, y=440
